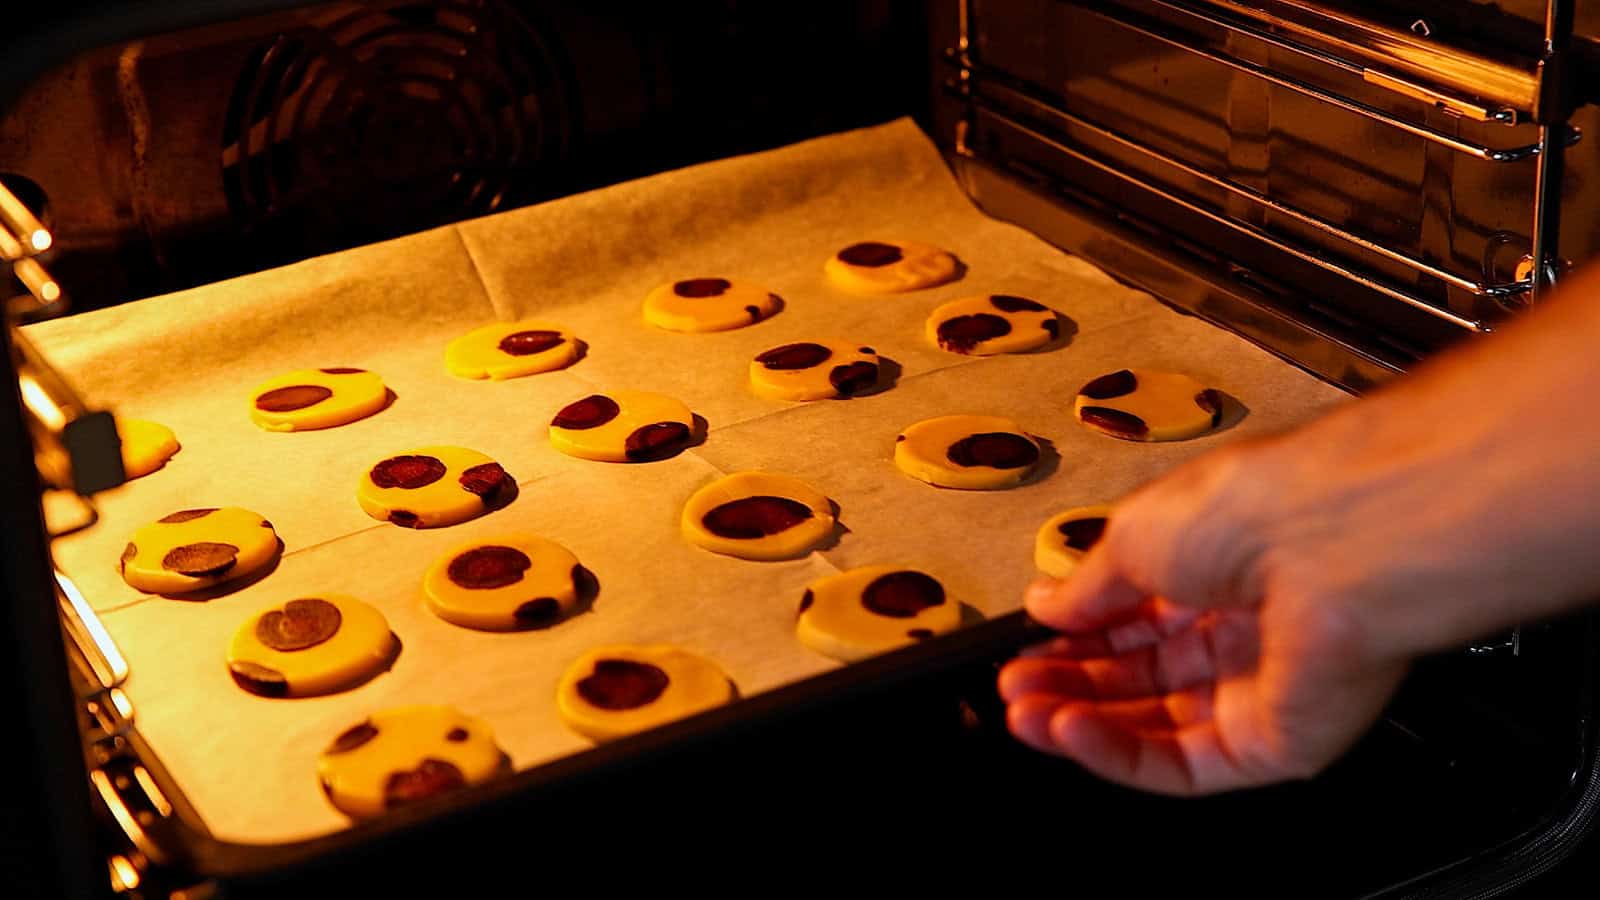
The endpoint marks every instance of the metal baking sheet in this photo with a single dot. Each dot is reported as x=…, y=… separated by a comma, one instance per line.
x=190, y=359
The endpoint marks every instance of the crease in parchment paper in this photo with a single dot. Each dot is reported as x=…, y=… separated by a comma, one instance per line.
x=189, y=360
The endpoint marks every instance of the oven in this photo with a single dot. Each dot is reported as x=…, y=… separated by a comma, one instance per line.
x=1300, y=200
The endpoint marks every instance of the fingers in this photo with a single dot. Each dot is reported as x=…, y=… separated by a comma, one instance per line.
x=1177, y=663
x=1097, y=595
x=1186, y=760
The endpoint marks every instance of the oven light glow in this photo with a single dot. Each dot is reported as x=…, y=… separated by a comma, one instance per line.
x=40, y=403
x=40, y=240
x=124, y=874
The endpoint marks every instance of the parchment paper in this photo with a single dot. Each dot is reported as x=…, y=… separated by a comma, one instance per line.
x=190, y=359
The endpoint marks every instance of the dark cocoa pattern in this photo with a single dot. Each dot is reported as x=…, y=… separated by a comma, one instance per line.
x=590, y=412
x=618, y=684
x=293, y=397
x=996, y=449
x=871, y=254
x=410, y=471
x=202, y=559
x=901, y=595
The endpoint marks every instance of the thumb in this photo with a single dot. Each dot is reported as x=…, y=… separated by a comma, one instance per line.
x=1097, y=595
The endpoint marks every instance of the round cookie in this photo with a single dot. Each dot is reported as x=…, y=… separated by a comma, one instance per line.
x=971, y=453
x=622, y=426
x=316, y=398
x=615, y=691
x=889, y=267
x=510, y=350
x=310, y=646
x=757, y=515
x=146, y=446
x=504, y=584
x=193, y=549
x=993, y=323
x=863, y=612
x=1065, y=538
x=814, y=370
x=406, y=754
x=432, y=487
x=708, y=304
x=1144, y=405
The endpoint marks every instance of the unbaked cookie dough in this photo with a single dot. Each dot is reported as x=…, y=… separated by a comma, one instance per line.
x=504, y=583
x=310, y=646
x=708, y=304
x=1065, y=538
x=317, y=398
x=1142, y=405
x=432, y=487
x=866, y=611
x=616, y=691
x=992, y=323
x=814, y=370
x=146, y=446
x=972, y=453
x=622, y=426
x=757, y=515
x=193, y=549
x=406, y=754
x=889, y=267
x=510, y=350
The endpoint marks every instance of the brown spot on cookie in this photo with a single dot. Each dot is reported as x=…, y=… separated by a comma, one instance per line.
x=1210, y=400
x=258, y=679
x=1117, y=384
x=790, y=357
x=622, y=684
x=867, y=350
x=342, y=370
x=486, y=480
x=806, y=601
x=353, y=737
x=541, y=611
x=962, y=333
x=658, y=441
x=483, y=568
x=409, y=472
x=755, y=313
x=430, y=778
x=996, y=449
x=870, y=254
x=202, y=559
x=1115, y=421
x=590, y=412
x=405, y=518
x=128, y=553
x=920, y=634
x=186, y=515
x=1081, y=534
x=749, y=518
x=456, y=735
x=300, y=624
x=527, y=343
x=1010, y=304
x=1053, y=326
x=901, y=595
x=853, y=378
x=702, y=287
x=293, y=397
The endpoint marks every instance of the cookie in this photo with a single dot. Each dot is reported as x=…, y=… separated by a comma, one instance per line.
x=1065, y=538
x=873, y=609
x=317, y=398
x=432, y=487
x=616, y=691
x=622, y=426
x=406, y=754
x=814, y=370
x=889, y=267
x=504, y=583
x=972, y=453
x=1145, y=405
x=708, y=304
x=146, y=446
x=757, y=515
x=993, y=323
x=510, y=350
x=310, y=646
x=193, y=549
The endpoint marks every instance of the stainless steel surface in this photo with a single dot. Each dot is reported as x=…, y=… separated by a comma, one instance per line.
x=1553, y=100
